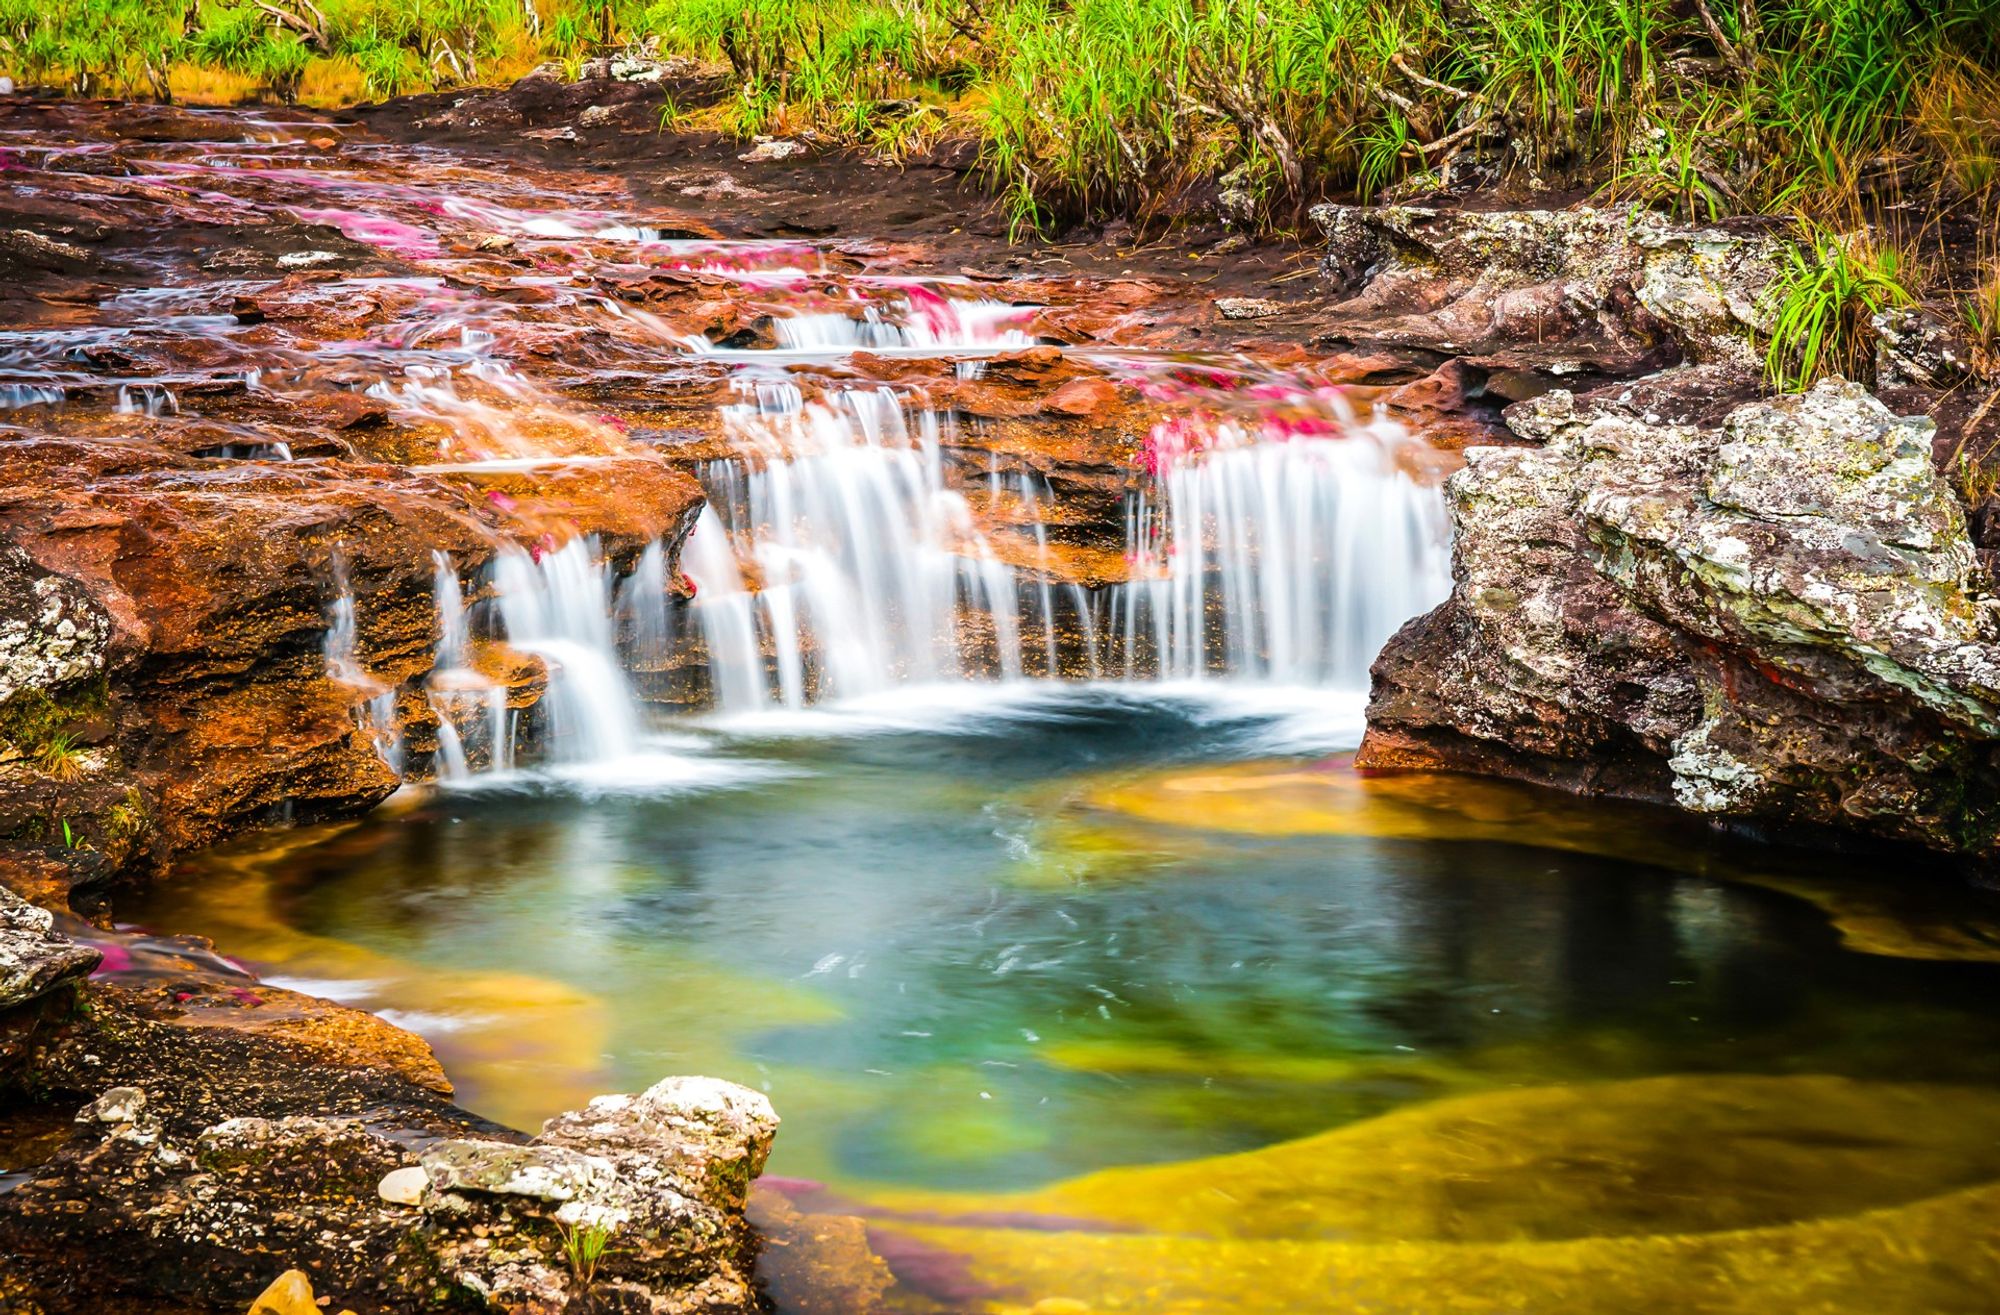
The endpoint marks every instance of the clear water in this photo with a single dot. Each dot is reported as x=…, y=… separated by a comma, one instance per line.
x=979, y=946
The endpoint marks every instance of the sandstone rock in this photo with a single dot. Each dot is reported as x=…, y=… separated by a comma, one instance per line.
x=1781, y=620
x=1614, y=291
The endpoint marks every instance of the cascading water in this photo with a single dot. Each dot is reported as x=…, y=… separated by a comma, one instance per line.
x=471, y=709
x=872, y=569
x=376, y=714
x=1287, y=560
x=559, y=608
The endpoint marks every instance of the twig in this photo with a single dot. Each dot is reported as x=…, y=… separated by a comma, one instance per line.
x=1723, y=45
x=1458, y=93
x=1454, y=138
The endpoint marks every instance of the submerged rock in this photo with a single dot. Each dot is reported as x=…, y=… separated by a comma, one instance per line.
x=1778, y=620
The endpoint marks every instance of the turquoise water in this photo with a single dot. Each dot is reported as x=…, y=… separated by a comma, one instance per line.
x=955, y=959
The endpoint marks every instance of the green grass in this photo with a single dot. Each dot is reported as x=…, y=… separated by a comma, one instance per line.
x=1135, y=107
x=1830, y=287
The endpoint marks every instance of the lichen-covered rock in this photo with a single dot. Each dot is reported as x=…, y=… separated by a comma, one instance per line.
x=1779, y=620
x=34, y=957
x=201, y=1213
x=52, y=633
x=1570, y=292
x=703, y=1132
x=1915, y=348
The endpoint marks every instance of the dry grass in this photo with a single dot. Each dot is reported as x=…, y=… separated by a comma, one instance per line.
x=1957, y=114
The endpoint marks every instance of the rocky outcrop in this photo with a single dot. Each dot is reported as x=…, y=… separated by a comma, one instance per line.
x=1777, y=621
x=1575, y=293
x=234, y=1133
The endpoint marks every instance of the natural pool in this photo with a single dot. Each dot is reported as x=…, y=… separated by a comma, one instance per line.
x=1489, y=1049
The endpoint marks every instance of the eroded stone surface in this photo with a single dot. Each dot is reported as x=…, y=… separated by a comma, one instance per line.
x=1569, y=292
x=1781, y=619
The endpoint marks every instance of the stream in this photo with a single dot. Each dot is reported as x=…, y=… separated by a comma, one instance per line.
x=974, y=776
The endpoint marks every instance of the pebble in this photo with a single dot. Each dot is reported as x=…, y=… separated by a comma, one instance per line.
x=403, y=1186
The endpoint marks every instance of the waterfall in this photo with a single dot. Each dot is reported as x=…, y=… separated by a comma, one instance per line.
x=471, y=708
x=376, y=714
x=923, y=322
x=872, y=571
x=1288, y=560
x=559, y=608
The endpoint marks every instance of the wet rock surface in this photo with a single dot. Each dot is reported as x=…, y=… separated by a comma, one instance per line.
x=1778, y=621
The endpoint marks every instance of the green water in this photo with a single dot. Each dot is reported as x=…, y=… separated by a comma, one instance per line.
x=975, y=954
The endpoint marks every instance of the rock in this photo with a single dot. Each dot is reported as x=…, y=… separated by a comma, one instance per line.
x=118, y=1105
x=1914, y=347
x=1781, y=620
x=35, y=958
x=1615, y=291
x=768, y=148
x=52, y=632
x=1247, y=308
x=712, y=1136
x=546, y=1173
x=404, y=1186
x=201, y=1207
x=594, y=116
x=562, y=134
x=291, y=1293
x=1236, y=202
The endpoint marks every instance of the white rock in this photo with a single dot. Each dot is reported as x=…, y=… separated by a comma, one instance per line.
x=404, y=1186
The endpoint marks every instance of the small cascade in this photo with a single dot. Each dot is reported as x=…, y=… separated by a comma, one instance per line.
x=560, y=609
x=471, y=708
x=870, y=569
x=376, y=714
x=147, y=400
x=923, y=321
x=1287, y=560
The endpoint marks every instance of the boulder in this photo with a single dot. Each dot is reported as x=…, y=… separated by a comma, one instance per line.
x=1780, y=620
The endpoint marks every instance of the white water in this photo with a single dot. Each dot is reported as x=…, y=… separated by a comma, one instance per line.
x=376, y=713
x=471, y=708
x=926, y=324
x=1285, y=562
x=873, y=573
x=559, y=609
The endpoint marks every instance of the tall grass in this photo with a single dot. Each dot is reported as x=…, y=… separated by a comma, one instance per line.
x=1086, y=107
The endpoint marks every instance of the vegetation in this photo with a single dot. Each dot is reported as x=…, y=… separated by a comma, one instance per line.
x=584, y=1245
x=1831, y=287
x=60, y=756
x=1081, y=106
